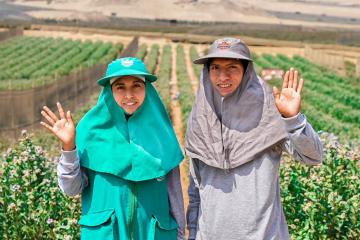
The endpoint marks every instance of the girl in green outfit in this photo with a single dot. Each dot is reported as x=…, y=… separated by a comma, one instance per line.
x=125, y=160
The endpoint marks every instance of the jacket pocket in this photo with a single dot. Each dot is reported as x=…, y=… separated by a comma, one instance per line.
x=99, y=225
x=163, y=228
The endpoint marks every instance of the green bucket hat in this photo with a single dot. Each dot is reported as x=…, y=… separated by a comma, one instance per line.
x=128, y=66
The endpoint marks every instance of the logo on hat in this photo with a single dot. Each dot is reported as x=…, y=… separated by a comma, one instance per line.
x=127, y=62
x=224, y=44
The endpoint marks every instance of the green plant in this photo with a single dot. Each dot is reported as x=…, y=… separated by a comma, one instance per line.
x=322, y=202
x=32, y=205
x=152, y=57
x=186, y=97
x=27, y=62
x=164, y=76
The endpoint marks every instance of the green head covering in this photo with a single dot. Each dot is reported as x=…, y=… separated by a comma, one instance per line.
x=128, y=66
x=140, y=148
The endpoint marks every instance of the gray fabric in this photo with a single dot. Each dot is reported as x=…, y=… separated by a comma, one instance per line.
x=230, y=131
x=225, y=48
x=72, y=179
x=244, y=203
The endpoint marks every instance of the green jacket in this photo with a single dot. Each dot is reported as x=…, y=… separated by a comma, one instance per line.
x=127, y=163
x=114, y=208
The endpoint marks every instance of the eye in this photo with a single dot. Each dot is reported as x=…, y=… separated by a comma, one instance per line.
x=214, y=67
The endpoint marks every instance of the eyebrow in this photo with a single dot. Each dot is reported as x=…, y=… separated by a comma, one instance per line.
x=139, y=81
x=135, y=81
x=232, y=63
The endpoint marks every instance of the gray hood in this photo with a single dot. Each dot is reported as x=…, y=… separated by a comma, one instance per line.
x=228, y=132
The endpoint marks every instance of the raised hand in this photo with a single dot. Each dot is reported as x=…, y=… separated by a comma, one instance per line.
x=288, y=101
x=62, y=128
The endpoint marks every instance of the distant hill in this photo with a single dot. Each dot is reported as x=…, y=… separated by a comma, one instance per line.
x=334, y=13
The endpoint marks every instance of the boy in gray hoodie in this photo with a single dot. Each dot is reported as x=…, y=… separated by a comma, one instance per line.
x=237, y=131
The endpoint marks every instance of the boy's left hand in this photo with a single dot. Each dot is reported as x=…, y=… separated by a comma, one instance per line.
x=288, y=101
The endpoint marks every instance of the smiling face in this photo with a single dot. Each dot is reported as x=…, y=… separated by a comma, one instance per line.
x=226, y=75
x=129, y=93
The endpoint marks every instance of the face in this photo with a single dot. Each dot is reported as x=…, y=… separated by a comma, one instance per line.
x=226, y=75
x=129, y=93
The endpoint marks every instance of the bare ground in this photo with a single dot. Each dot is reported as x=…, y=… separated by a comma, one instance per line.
x=176, y=119
x=80, y=36
x=190, y=70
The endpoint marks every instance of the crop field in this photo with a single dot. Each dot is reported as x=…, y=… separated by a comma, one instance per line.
x=320, y=202
x=31, y=61
x=330, y=102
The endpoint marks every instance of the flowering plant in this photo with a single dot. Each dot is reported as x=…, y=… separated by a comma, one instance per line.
x=322, y=202
x=31, y=204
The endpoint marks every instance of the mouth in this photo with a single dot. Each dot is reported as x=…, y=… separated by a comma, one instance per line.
x=224, y=86
x=129, y=104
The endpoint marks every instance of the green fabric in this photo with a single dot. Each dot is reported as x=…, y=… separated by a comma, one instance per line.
x=114, y=208
x=127, y=162
x=142, y=148
x=125, y=67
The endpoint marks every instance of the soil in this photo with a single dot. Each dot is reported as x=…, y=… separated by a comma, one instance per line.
x=190, y=70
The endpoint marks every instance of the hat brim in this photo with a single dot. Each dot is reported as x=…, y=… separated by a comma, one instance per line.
x=219, y=54
x=127, y=72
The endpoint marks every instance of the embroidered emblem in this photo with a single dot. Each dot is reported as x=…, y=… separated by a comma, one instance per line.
x=127, y=62
x=224, y=44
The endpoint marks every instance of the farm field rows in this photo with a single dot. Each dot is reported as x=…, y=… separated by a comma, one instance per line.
x=31, y=61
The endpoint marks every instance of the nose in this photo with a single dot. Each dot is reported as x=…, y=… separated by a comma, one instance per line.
x=223, y=76
x=128, y=94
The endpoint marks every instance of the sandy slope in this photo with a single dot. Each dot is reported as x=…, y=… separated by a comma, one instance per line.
x=332, y=13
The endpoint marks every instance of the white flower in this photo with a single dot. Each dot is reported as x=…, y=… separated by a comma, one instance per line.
x=12, y=205
x=73, y=221
x=39, y=150
x=26, y=173
x=24, y=133
x=50, y=221
x=14, y=188
x=8, y=151
x=67, y=237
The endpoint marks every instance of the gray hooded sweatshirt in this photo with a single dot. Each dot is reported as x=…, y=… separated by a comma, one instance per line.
x=235, y=145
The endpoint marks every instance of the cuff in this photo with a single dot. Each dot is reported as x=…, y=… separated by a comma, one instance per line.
x=294, y=122
x=69, y=156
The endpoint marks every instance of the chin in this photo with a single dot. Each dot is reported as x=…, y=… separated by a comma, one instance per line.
x=130, y=110
x=224, y=94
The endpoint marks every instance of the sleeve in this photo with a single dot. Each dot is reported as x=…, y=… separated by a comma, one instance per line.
x=192, y=214
x=176, y=201
x=303, y=143
x=71, y=178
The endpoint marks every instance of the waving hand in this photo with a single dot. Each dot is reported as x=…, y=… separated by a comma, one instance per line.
x=63, y=128
x=288, y=101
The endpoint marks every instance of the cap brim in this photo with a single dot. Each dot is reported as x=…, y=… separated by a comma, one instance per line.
x=219, y=54
x=128, y=72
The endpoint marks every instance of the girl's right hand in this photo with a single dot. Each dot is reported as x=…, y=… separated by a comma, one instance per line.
x=62, y=128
